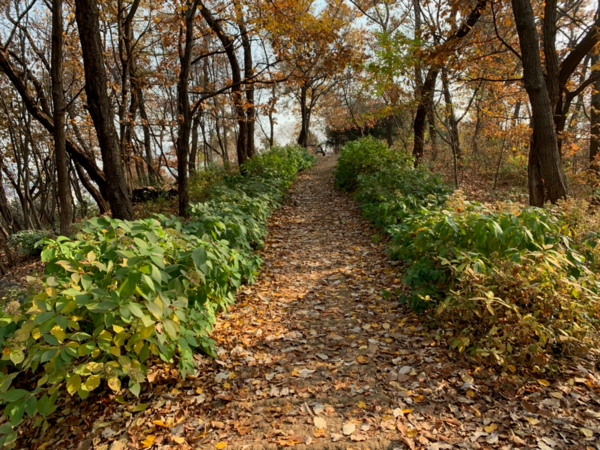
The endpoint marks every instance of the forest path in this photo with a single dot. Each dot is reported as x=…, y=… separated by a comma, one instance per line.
x=311, y=344
x=315, y=356
x=311, y=355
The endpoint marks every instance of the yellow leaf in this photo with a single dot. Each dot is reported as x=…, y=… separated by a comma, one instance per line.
x=587, y=433
x=491, y=427
x=73, y=384
x=179, y=440
x=362, y=359
x=114, y=383
x=148, y=441
x=362, y=405
x=92, y=382
x=412, y=432
x=533, y=421
x=118, y=328
x=105, y=336
x=160, y=423
x=146, y=332
x=58, y=333
x=120, y=339
x=226, y=385
x=199, y=390
x=544, y=382
x=407, y=411
x=221, y=445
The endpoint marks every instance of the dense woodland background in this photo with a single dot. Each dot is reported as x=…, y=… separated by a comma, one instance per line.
x=102, y=98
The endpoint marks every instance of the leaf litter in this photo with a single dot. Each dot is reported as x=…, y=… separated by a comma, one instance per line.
x=318, y=355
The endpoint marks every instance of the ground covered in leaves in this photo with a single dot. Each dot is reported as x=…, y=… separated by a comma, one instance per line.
x=318, y=355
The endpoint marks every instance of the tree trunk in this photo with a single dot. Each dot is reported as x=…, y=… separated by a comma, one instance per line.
x=149, y=159
x=248, y=74
x=184, y=111
x=452, y=126
x=58, y=98
x=194, y=153
x=272, y=118
x=7, y=214
x=389, y=130
x=87, y=16
x=425, y=104
x=304, y=118
x=595, y=120
x=103, y=207
x=546, y=175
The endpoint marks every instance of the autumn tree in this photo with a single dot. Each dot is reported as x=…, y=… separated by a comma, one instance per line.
x=316, y=46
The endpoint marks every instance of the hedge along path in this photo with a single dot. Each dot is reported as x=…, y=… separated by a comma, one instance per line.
x=313, y=356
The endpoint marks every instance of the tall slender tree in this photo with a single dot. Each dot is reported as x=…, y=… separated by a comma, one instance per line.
x=59, y=115
x=98, y=104
x=547, y=179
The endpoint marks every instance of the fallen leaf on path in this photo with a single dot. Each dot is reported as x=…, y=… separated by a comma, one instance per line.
x=320, y=423
x=348, y=428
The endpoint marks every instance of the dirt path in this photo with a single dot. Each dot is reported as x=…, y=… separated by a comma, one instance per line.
x=315, y=356
x=307, y=342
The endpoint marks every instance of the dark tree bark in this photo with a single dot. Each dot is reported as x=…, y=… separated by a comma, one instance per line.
x=425, y=104
x=249, y=88
x=546, y=176
x=194, y=151
x=58, y=98
x=87, y=17
x=184, y=110
x=389, y=130
x=595, y=119
x=304, y=117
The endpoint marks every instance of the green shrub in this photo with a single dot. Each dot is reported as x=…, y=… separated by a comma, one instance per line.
x=522, y=312
x=203, y=181
x=123, y=292
x=362, y=157
x=520, y=285
x=29, y=242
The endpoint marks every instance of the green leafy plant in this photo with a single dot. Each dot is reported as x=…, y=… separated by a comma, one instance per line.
x=29, y=242
x=515, y=285
x=121, y=293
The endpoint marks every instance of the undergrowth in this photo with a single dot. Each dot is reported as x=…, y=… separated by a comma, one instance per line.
x=519, y=286
x=123, y=292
